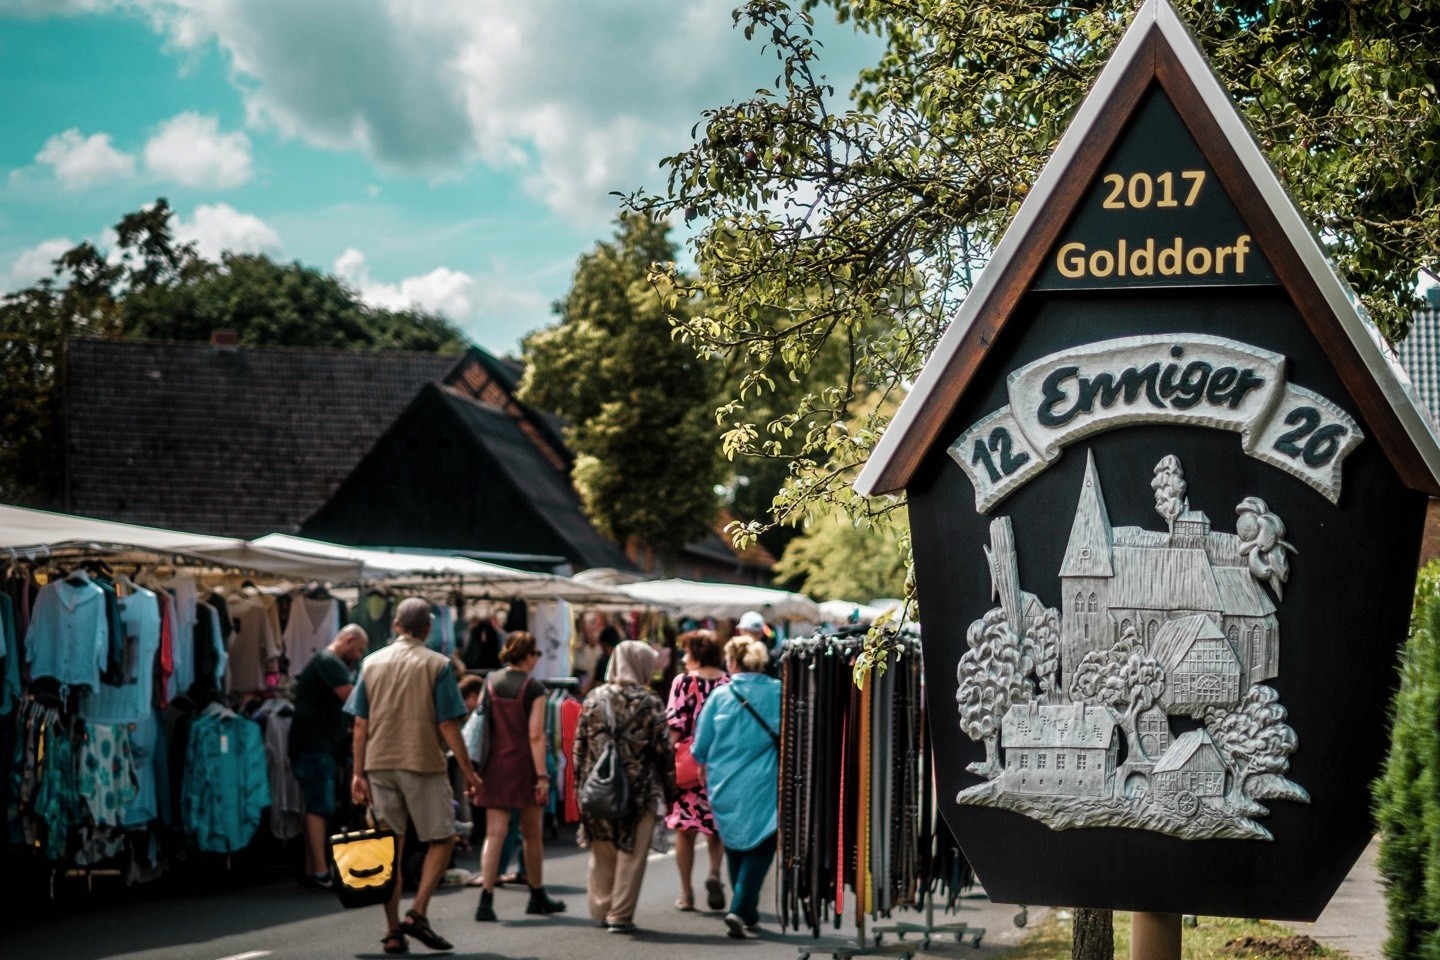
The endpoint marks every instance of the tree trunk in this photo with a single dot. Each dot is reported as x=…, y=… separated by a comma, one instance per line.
x=1094, y=937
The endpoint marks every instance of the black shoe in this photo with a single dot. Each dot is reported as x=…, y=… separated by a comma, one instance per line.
x=417, y=926
x=485, y=909
x=541, y=903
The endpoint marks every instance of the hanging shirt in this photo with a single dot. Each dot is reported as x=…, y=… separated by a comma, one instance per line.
x=226, y=786
x=182, y=588
x=145, y=750
x=256, y=642
x=69, y=636
x=312, y=625
x=130, y=700
x=372, y=613
x=551, y=623
x=10, y=675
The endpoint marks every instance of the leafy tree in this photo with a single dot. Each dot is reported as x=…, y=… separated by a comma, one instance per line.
x=639, y=403
x=1169, y=486
x=1125, y=677
x=994, y=674
x=819, y=219
x=1407, y=793
x=836, y=558
x=1258, y=742
x=1042, y=645
x=151, y=286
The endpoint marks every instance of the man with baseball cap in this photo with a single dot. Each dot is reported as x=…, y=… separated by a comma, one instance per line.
x=405, y=693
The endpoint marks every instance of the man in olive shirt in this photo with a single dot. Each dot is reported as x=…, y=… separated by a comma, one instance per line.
x=320, y=739
x=406, y=694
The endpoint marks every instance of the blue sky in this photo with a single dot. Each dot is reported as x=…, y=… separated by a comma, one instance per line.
x=458, y=154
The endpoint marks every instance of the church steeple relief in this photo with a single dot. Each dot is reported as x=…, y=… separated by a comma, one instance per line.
x=1089, y=551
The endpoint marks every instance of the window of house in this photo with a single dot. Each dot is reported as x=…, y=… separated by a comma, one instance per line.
x=1080, y=761
x=1039, y=761
x=1024, y=761
x=1094, y=605
x=1079, y=603
x=1059, y=761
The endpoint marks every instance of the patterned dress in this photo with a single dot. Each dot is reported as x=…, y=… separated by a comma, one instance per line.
x=687, y=694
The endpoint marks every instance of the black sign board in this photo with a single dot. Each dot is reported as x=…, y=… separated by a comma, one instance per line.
x=1166, y=495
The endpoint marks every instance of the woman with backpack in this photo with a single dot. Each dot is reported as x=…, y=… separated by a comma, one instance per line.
x=625, y=768
x=690, y=816
x=737, y=745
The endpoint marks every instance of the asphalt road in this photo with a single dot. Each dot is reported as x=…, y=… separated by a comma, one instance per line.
x=277, y=920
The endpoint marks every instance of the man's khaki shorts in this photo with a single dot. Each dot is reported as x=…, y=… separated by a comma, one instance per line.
x=425, y=798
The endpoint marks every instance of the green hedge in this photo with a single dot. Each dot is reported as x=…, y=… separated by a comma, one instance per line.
x=1407, y=793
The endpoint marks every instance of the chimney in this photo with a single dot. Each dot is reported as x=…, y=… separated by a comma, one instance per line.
x=226, y=341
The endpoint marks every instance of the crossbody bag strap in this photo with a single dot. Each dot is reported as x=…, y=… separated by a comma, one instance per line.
x=756, y=714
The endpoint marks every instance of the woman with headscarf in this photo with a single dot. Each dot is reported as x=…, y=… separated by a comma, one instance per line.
x=624, y=709
x=737, y=743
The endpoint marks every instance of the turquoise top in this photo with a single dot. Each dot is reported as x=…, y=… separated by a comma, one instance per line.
x=741, y=761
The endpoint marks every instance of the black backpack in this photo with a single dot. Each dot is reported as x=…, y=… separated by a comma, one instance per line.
x=605, y=794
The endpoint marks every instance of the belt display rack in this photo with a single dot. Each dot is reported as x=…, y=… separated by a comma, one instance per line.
x=857, y=800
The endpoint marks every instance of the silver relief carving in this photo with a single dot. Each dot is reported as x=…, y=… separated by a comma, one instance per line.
x=1079, y=706
x=1188, y=379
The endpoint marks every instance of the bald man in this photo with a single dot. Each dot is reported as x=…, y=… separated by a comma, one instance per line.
x=320, y=739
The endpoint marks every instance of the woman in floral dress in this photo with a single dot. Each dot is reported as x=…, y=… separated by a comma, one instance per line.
x=690, y=817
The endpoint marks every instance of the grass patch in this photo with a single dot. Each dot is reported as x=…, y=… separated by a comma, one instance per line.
x=1212, y=938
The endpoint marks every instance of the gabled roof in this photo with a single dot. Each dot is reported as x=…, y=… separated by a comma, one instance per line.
x=1157, y=49
x=1068, y=725
x=1163, y=578
x=1186, y=746
x=232, y=441
x=478, y=451
x=1175, y=638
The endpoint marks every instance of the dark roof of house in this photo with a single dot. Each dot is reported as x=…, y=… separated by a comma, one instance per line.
x=237, y=442
x=454, y=472
x=550, y=492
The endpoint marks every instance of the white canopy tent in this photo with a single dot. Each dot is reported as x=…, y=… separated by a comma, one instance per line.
x=474, y=577
x=37, y=533
x=723, y=601
x=845, y=611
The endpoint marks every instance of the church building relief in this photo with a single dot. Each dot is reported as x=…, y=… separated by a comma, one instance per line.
x=1140, y=699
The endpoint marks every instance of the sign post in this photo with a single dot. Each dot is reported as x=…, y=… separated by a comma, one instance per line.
x=1166, y=488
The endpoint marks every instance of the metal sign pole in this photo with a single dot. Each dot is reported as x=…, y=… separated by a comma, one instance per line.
x=1155, y=936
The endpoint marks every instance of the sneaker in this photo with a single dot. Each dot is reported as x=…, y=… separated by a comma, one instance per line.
x=626, y=927
x=320, y=881
x=734, y=927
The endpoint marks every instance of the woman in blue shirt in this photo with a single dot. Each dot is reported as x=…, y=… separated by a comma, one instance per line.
x=737, y=745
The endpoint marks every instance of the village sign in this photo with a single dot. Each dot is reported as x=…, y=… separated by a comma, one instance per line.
x=1166, y=489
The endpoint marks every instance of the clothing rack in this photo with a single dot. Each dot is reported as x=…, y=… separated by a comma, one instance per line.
x=857, y=805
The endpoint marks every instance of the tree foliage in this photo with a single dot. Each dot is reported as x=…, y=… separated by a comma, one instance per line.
x=1259, y=743
x=1407, y=793
x=860, y=221
x=835, y=558
x=150, y=286
x=639, y=404
x=993, y=674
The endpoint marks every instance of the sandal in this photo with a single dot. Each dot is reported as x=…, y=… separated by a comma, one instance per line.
x=418, y=927
x=685, y=902
x=394, y=942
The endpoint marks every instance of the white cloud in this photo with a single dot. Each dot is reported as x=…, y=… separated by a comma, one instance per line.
x=218, y=227
x=190, y=149
x=580, y=96
x=442, y=290
x=80, y=161
x=35, y=263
